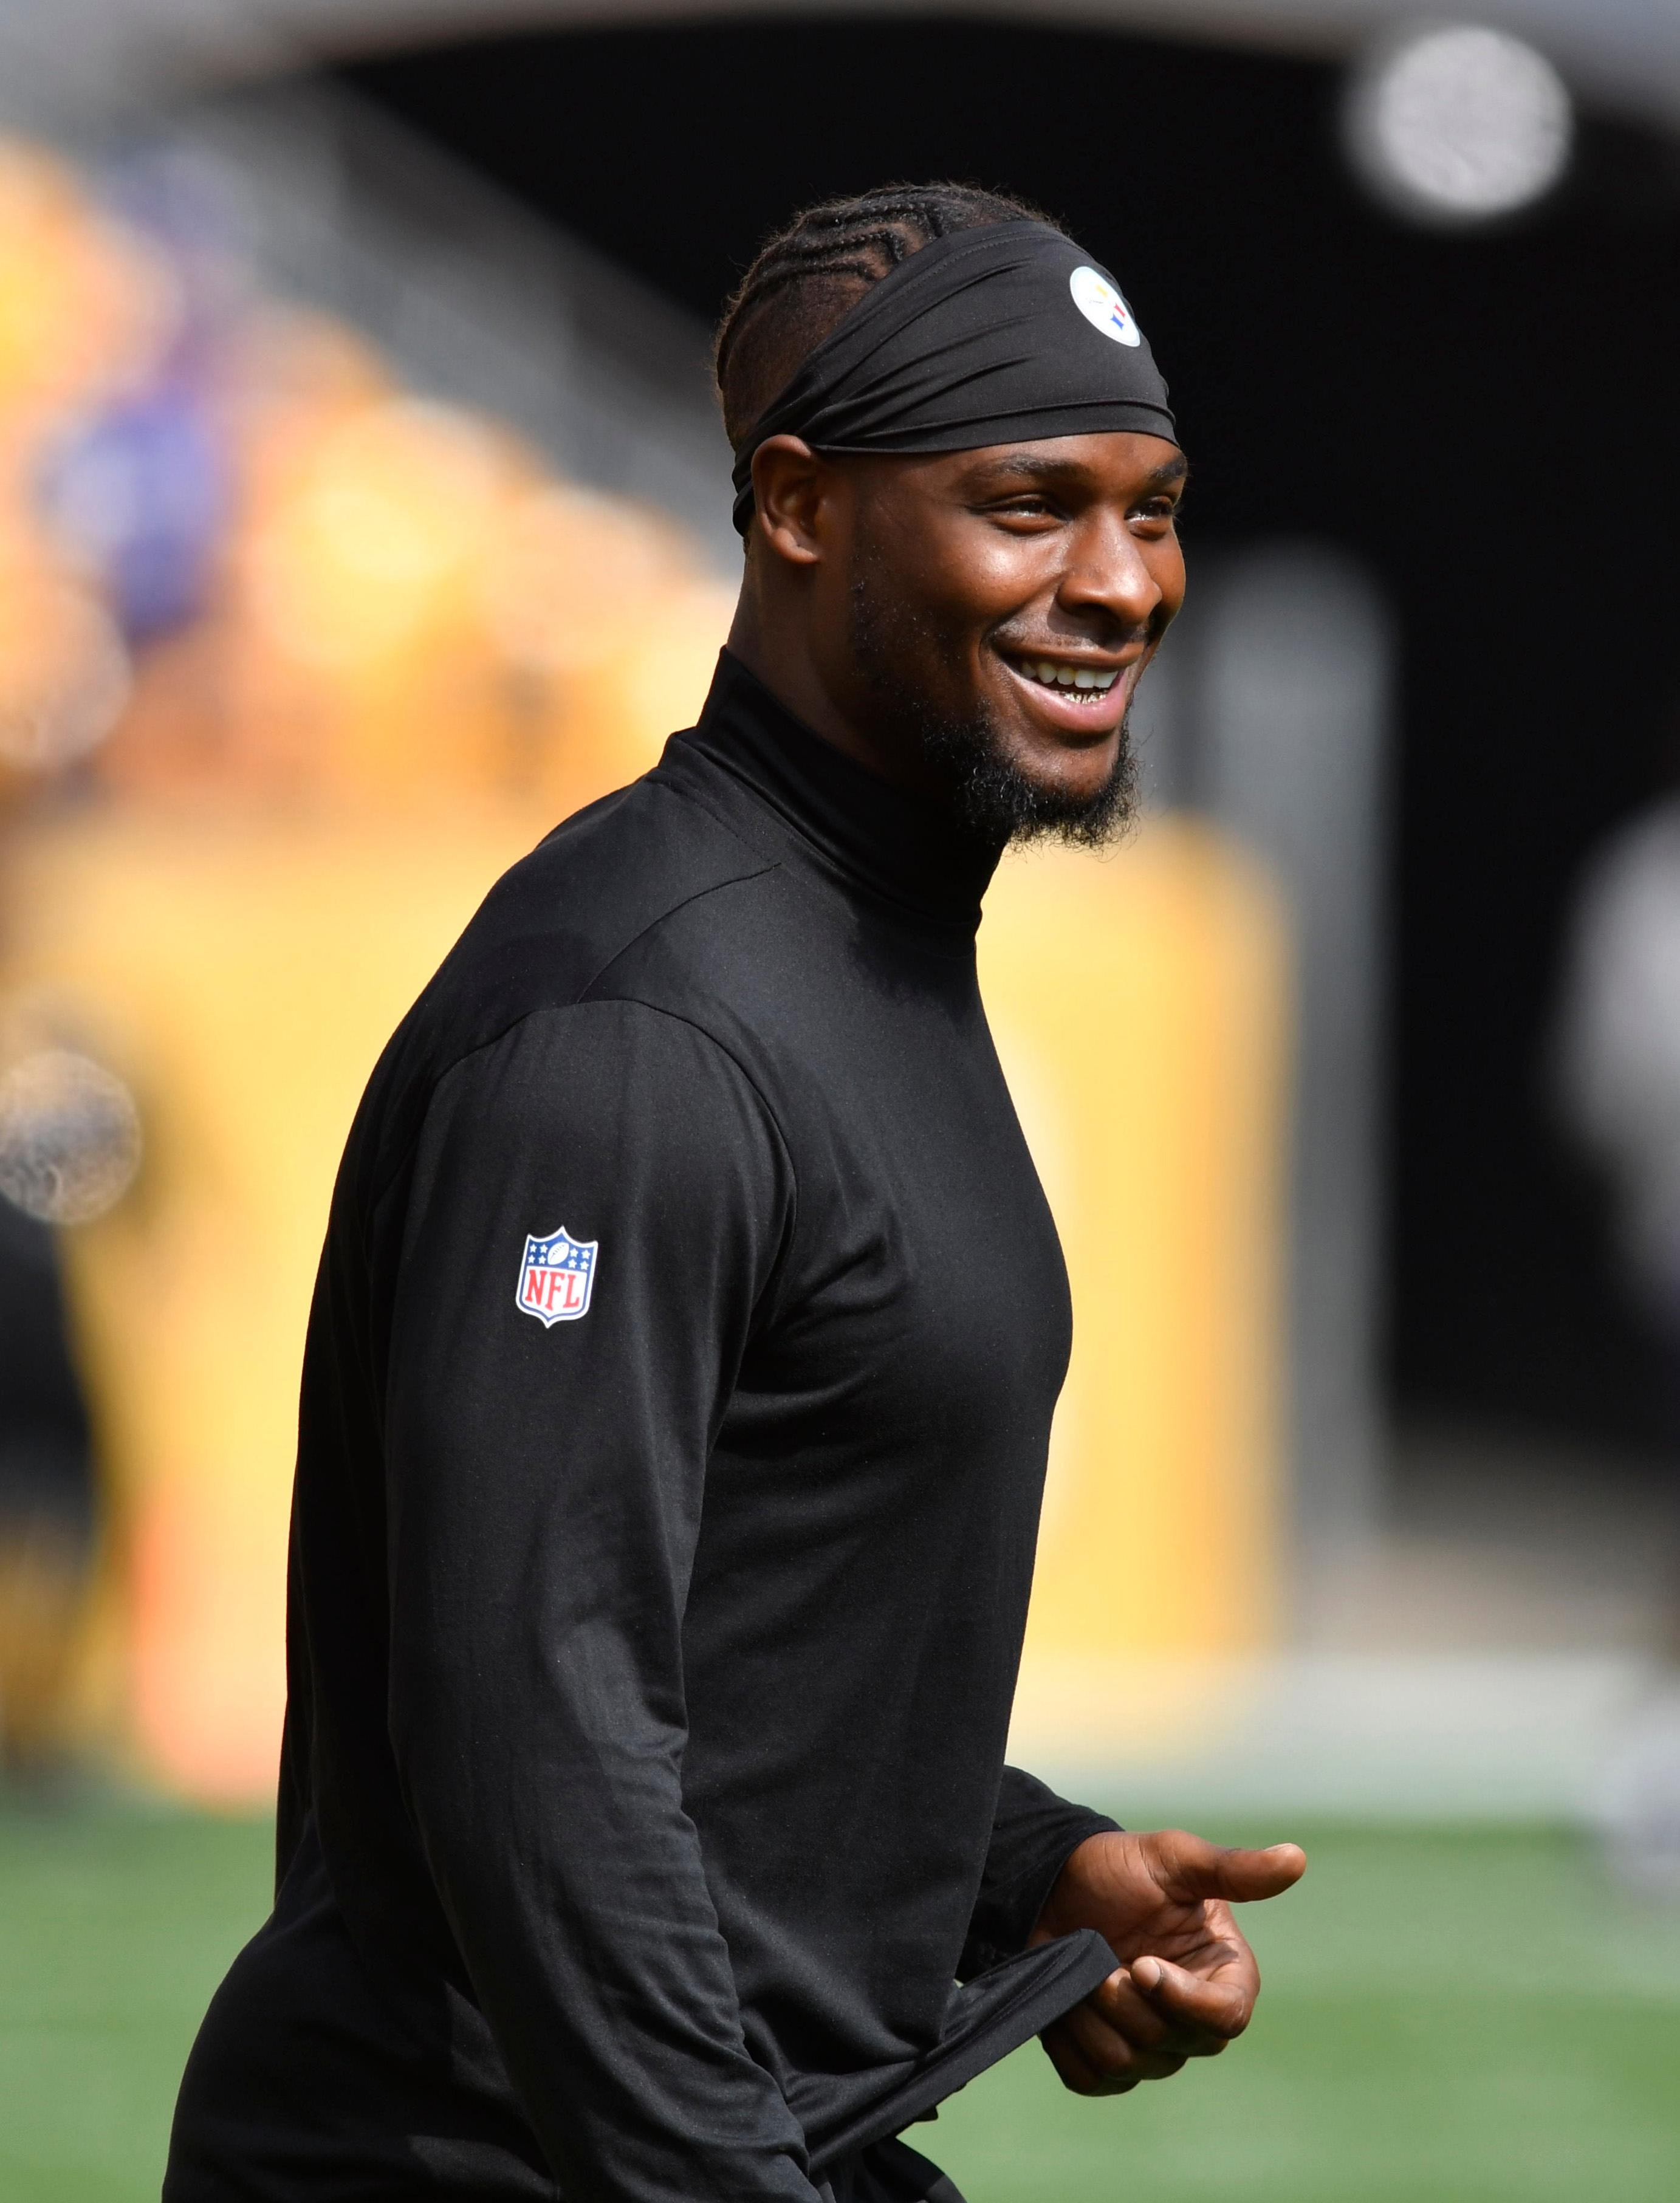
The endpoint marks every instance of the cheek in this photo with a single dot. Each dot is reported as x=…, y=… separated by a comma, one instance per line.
x=942, y=582
x=976, y=585
x=1167, y=571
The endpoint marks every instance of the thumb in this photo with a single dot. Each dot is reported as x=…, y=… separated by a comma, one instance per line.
x=1190, y=1867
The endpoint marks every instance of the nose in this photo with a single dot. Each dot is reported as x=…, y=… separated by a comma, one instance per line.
x=1108, y=572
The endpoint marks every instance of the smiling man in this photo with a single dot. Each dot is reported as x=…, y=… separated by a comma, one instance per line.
x=670, y=1462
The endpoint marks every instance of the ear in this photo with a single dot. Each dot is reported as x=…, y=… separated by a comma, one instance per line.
x=790, y=489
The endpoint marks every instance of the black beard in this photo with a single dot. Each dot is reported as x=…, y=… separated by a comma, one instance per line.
x=993, y=799
x=997, y=801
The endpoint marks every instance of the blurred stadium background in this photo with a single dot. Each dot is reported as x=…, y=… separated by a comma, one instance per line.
x=364, y=509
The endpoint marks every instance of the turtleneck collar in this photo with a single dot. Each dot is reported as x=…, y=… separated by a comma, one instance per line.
x=906, y=849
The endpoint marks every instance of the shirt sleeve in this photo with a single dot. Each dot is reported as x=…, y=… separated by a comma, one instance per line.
x=1033, y=1835
x=547, y=1453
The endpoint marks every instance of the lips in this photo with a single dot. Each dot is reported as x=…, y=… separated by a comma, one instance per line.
x=1075, y=695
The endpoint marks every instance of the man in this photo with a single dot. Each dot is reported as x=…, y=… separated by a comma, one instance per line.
x=669, y=1469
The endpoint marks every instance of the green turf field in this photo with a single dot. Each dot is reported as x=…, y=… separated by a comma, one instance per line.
x=1449, y=2018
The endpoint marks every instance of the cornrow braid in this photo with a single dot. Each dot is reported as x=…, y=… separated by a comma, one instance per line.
x=809, y=275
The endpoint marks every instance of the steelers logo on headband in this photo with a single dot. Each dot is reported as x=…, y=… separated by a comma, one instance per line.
x=1103, y=307
x=969, y=342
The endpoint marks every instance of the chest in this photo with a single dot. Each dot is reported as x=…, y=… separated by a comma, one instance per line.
x=922, y=1303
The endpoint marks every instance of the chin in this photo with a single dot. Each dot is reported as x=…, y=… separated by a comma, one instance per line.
x=1064, y=771
x=1010, y=791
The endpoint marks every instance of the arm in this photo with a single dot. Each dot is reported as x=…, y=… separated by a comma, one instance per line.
x=545, y=1489
x=1033, y=1835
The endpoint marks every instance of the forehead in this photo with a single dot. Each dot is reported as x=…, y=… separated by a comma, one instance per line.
x=1115, y=462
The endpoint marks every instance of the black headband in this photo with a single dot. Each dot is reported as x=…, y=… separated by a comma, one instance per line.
x=1003, y=334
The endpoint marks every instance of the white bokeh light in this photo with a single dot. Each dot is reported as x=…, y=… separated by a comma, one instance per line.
x=69, y=1136
x=1457, y=123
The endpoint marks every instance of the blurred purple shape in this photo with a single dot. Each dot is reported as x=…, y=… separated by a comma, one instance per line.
x=140, y=495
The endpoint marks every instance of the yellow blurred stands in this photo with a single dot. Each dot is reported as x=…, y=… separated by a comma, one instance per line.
x=238, y=843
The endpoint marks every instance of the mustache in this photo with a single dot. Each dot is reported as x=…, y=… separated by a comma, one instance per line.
x=1107, y=636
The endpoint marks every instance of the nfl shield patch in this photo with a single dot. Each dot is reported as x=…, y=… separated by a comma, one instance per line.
x=556, y=1277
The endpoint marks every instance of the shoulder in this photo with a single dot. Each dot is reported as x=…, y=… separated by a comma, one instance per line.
x=614, y=875
x=580, y=900
x=595, y=886
x=616, y=1072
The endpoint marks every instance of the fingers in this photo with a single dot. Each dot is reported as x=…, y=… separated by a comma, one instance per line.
x=1190, y=1867
x=1094, y=2060
x=1120, y=2006
x=1076, y=2071
x=1184, y=2003
x=1107, y=2050
x=1126, y=2032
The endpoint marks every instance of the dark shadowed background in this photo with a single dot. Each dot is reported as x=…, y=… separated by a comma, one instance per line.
x=1487, y=419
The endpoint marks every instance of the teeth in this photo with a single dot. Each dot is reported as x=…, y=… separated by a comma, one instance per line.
x=1055, y=676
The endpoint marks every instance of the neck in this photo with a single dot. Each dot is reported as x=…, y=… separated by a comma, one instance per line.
x=899, y=845
x=774, y=643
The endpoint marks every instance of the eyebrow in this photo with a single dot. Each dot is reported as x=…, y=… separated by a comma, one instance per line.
x=1018, y=464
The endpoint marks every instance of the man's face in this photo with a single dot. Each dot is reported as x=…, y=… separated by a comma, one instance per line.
x=1001, y=606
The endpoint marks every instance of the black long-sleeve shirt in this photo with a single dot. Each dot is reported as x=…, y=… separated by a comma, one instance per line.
x=673, y=1428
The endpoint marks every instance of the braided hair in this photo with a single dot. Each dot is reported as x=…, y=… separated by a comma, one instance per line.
x=809, y=275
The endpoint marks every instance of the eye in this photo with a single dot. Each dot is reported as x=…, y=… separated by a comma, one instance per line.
x=1027, y=505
